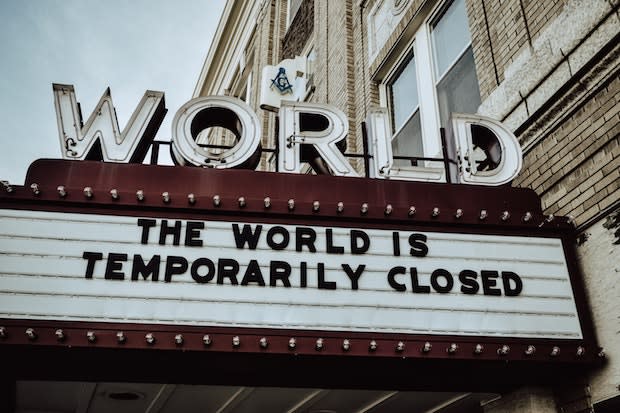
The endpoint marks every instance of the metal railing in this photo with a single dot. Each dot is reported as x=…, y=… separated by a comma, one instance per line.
x=365, y=155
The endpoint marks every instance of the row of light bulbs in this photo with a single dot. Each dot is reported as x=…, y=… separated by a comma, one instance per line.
x=316, y=205
x=263, y=343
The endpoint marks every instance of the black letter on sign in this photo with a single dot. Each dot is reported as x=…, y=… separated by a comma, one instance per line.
x=246, y=235
x=324, y=285
x=354, y=276
x=415, y=283
x=146, y=225
x=392, y=281
x=152, y=268
x=468, y=279
x=303, y=276
x=305, y=236
x=359, y=249
x=331, y=248
x=90, y=266
x=396, y=243
x=115, y=264
x=203, y=262
x=279, y=270
x=443, y=289
x=227, y=268
x=253, y=274
x=285, y=238
x=509, y=291
x=192, y=233
x=174, y=266
x=165, y=230
x=489, y=282
x=418, y=245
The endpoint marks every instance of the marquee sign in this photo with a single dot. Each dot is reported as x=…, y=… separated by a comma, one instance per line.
x=240, y=255
x=283, y=276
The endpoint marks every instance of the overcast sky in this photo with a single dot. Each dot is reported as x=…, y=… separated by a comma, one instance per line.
x=128, y=45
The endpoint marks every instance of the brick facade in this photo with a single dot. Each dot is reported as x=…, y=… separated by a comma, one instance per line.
x=565, y=112
x=576, y=168
x=300, y=31
x=504, y=29
x=559, y=91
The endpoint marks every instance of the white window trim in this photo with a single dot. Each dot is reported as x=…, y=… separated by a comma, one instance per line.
x=427, y=98
x=429, y=112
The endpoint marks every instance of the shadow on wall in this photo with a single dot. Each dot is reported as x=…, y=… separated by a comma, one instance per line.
x=612, y=222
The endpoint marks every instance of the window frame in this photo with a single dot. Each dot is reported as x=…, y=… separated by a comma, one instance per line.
x=422, y=46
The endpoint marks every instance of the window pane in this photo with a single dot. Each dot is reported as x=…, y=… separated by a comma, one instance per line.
x=294, y=6
x=404, y=94
x=405, y=114
x=408, y=141
x=450, y=36
x=458, y=91
x=310, y=63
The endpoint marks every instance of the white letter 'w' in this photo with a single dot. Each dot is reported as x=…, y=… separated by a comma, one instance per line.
x=100, y=138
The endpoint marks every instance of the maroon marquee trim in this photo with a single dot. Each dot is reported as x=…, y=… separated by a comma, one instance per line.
x=97, y=187
x=78, y=334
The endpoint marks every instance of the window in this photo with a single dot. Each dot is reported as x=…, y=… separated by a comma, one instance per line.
x=407, y=140
x=435, y=77
x=293, y=7
x=457, y=84
x=241, y=83
x=310, y=68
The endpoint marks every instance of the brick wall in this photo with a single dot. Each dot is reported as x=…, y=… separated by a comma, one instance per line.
x=335, y=78
x=299, y=31
x=266, y=51
x=539, y=13
x=559, y=92
x=483, y=46
x=563, y=95
x=598, y=255
x=576, y=168
x=367, y=91
x=501, y=30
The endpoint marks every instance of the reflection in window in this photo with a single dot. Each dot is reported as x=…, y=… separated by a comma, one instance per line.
x=310, y=63
x=404, y=103
x=450, y=36
x=458, y=91
x=292, y=10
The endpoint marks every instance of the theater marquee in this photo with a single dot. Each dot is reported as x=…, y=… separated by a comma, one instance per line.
x=284, y=276
x=186, y=257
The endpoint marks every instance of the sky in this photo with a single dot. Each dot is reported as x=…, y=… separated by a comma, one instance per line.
x=129, y=45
